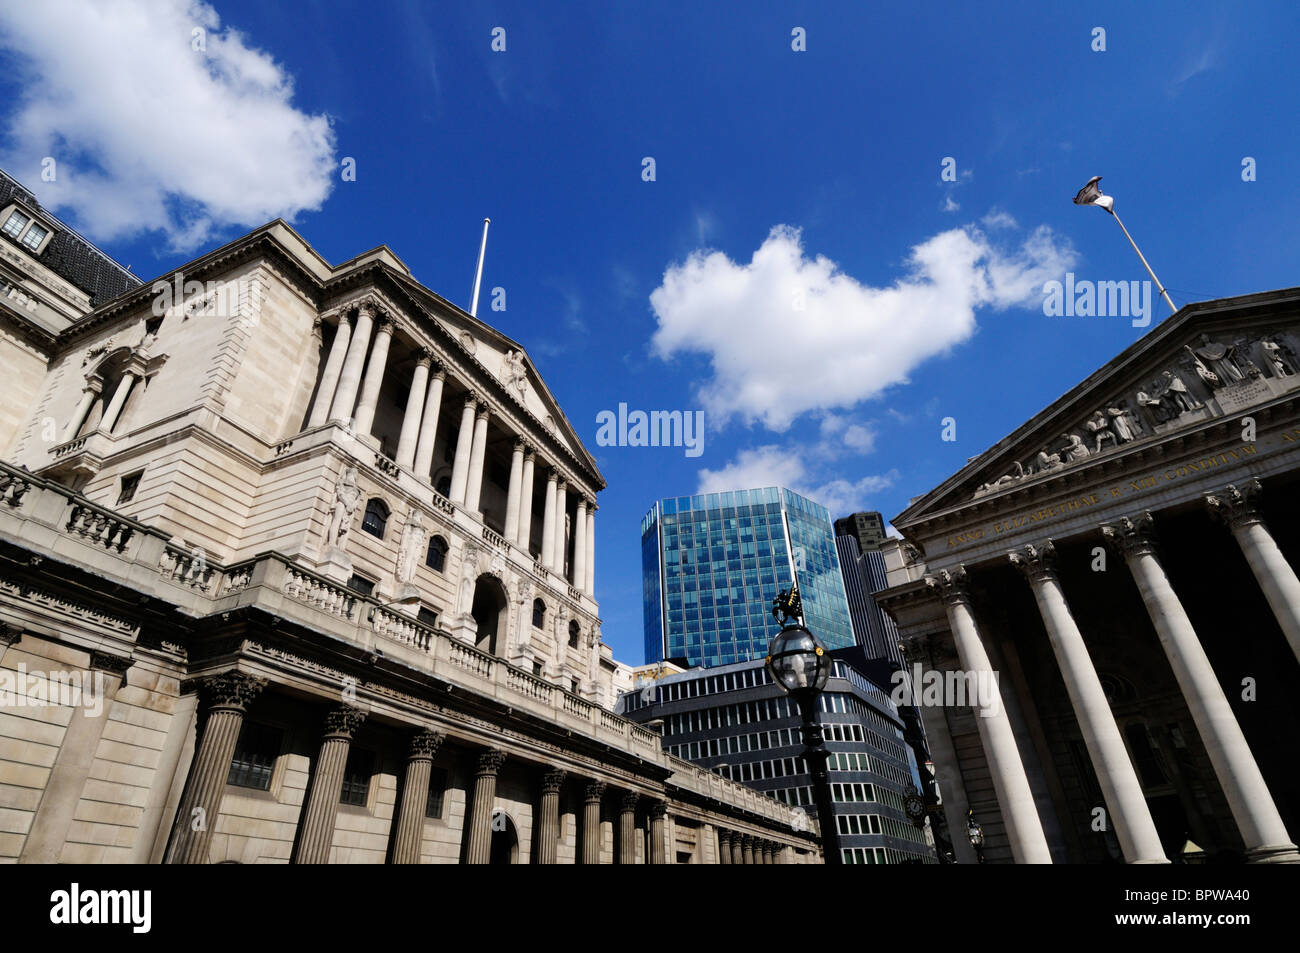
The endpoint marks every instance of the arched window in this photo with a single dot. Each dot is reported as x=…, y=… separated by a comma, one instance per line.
x=436, y=558
x=573, y=634
x=443, y=486
x=376, y=518
x=539, y=613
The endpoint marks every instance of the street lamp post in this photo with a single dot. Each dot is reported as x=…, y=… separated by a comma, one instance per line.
x=800, y=664
x=975, y=834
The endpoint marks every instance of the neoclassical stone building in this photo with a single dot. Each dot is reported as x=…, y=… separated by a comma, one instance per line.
x=297, y=564
x=1123, y=563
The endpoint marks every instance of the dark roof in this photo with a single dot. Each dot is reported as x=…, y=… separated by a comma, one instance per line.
x=69, y=255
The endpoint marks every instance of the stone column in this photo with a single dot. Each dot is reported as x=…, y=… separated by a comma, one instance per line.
x=658, y=834
x=345, y=395
x=464, y=440
x=226, y=698
x=627, y=827
x=591, y=838
x=71, y=768
x=724, y=846
x=746, y=849
x=329, y=378
x=1248, y=796
x=88, y=396
x=485, y=796
x=414, y=407
x=1237, y=508
x=415, y=796
x=737, y=848
x=478, y=450
x=561, y=539
x=365, y=415
x=580, y=544
x=548, y=523
x=1015, y=799
x=767, y=852
x=109, y=420
x=423, y=465
x=524, y=538
x=548, y=817
x=1136, y=831
x=316, y=830
x=591, y=552
x=514, y=491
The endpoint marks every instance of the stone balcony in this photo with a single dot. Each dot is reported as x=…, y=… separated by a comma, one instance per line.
x=45, y=517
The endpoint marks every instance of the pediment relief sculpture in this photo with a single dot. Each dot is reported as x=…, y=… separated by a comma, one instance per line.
x=1210, y=378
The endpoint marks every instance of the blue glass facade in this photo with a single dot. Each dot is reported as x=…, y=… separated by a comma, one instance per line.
x=712, y=564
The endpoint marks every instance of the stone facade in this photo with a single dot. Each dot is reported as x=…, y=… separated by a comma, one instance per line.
x=1145, y=657
x=297, y=565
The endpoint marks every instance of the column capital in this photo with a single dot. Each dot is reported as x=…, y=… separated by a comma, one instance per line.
x=489, y=762
x=1236, y=504
x=953, y=586
x=9, y=634
x=232, y=690
x=384, y=321
x=94, y=384
x=530, y=452
x=484, y=411
x=423, y=356
x=658, y=809
x=437, y=369
x=553, y=477
x=342, y=721
x=746, y=841
x=472, y=398
x=628, y=800
x=553, y=780
x=1037, y=562
x=1131, y=536
x=594, y=791
x=425, y=744
x=724, y=835
x=519, y=445
x=560, y=484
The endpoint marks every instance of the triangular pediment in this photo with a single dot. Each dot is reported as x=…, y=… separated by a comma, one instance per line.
x=1211, y=360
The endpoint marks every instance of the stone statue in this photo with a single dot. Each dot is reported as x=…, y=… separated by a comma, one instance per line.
x=1100, y=426
x=408, y=556
x=1155, y=405
x=1179, y=393
x=1221, y=358
x=468, y=579
x=1075, y=449
x=1208, y=376
x=347, y=495
x=1277, y=355
x=1047, y=462
x=516, y=375
x=1125, y=425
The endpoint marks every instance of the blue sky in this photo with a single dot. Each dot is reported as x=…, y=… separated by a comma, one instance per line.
x=781, y=177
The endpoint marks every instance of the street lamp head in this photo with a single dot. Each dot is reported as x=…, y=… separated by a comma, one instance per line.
x=798, y=662
x=974, y=832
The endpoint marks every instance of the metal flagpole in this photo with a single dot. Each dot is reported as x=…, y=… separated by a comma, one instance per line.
x=1163, y=293
x=1091, y=194
x=478, y=274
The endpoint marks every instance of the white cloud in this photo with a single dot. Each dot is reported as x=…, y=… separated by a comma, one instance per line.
x=786, y=334
x=772, y=465
x=949, y=205
x=998, y=218
x=151, y=134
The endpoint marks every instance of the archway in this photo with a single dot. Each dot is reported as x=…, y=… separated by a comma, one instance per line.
x=505, y=840
x=489, y=612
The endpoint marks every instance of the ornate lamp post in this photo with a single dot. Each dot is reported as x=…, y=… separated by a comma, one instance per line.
x=800, y=664
x=975, y=834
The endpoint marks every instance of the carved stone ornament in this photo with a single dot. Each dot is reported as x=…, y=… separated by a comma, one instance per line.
x=231, y=690
x=425, y=744
x=342, y=721
x=347, y=497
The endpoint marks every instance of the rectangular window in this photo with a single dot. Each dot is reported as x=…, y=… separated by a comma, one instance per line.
x=428, y=616
x=255, y=754
x=35, y=235
x=356, y=777
x=437, y=788
x=13, y=226
x=361, y=584
x=130, y=483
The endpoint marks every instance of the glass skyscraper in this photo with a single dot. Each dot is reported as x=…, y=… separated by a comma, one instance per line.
x=712, y=564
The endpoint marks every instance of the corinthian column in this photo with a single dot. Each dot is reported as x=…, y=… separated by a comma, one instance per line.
x=524, y=538
x=580, y=544
x=485, y=795
x=737, y=848
x=414, y=407
x=329, y=378
x=724, y=846
x=561, y=540
x=1016, y=800
x=747, y=848
x=478, y=451
x=548, y=823
x=1120, y=787
x=548, y=523
x=365, y=415
x=415, y=796
x=1252, y=805
x=316, y=834
x=591, y=838
x=345, y=395
x=627, y=827
x=226, y=698
x=658, y=839
x=1237, y=508
x=514, y=491
x=464, y=440
x=423, y=464
x=591, y=551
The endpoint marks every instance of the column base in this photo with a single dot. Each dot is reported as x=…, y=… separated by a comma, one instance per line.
x=335, y=565
x=1273, y=854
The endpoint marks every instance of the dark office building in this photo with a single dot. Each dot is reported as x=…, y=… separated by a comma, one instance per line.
x=734, y=720
x=868, y=528
x=864, y=574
